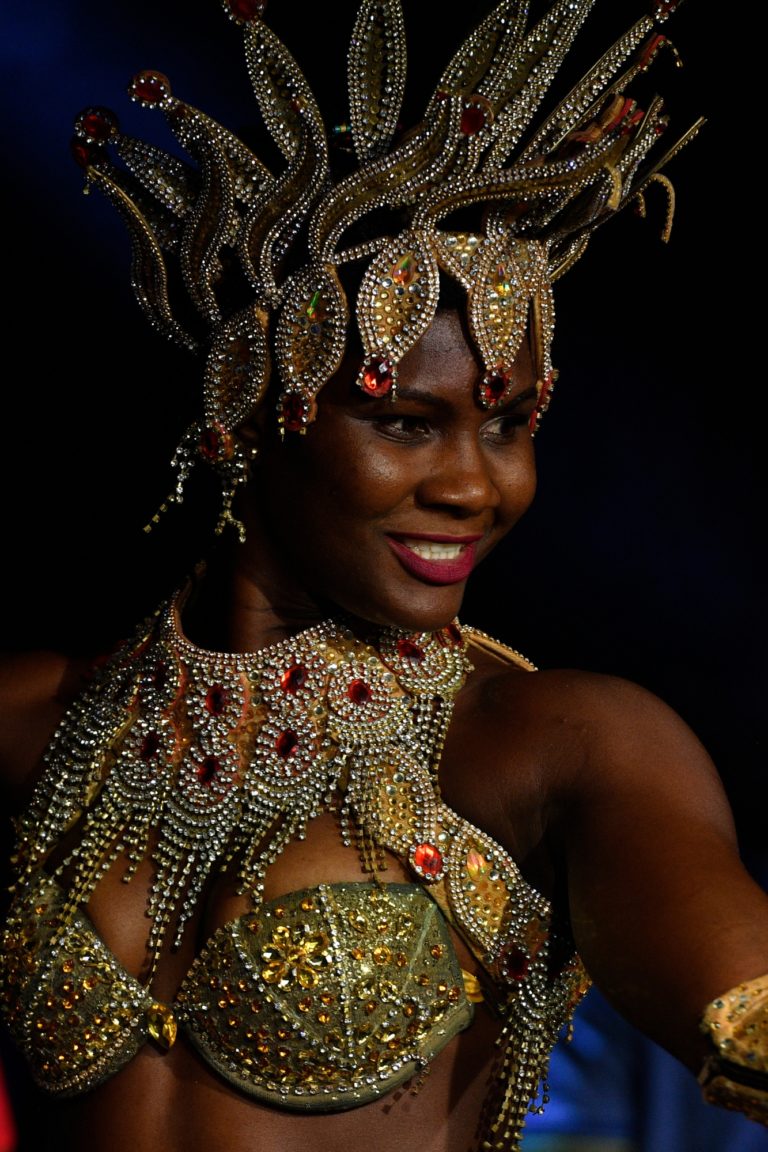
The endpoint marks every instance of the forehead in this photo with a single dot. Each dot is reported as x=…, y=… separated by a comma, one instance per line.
x=443, y=362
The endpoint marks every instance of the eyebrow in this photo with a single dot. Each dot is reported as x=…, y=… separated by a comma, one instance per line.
x=424, y=397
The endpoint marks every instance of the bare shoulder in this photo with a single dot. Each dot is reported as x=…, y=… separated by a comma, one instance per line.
x=609, y=795
x=565, y=756
x=35, y=690
x=574, y=719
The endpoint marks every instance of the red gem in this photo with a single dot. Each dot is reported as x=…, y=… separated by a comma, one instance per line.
x=216, y=443
x=246, y=10
x=150, y=88
x=150, y=746
x=514, y=963
x=634, y=119
x=81, y=152
x=427, y=859
x=378, y=377
x=472, y=119
x=294, y=412
x=454, y=633
x=650, y=48
x=492, y=387
x=216, y=699
x=359, y=692
x=160, y=675
x=476, y=114
x=208, y=770
x=97, y=124
x=293, y=678
x=409, y=650
x=286, y=743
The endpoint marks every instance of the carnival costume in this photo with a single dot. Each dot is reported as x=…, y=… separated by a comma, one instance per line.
x=205, y=762
x=325, y=998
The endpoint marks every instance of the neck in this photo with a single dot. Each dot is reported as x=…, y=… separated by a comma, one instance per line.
x=236, y=607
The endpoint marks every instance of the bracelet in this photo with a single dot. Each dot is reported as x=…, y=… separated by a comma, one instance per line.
x=735, y=1076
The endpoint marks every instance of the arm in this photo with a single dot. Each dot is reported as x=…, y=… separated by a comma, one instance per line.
x=35, y=690
x=665, y=915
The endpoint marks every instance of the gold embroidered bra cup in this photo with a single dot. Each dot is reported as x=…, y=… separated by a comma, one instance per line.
x=264, y=257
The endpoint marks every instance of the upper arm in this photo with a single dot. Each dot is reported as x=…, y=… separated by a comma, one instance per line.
x=664, y=913
x=35, y=689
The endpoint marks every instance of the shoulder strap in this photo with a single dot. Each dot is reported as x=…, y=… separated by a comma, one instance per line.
x=479, y=639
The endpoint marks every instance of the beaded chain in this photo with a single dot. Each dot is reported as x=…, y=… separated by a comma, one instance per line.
x=226, y=758
x=205, y=762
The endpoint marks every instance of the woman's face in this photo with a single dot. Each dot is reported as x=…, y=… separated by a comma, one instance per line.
x=384, y=508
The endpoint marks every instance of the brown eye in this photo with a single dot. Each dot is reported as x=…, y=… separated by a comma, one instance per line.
x=403, y=427
x=504, y=428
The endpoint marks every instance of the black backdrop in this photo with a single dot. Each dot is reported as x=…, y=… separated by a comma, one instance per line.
x=642, y=554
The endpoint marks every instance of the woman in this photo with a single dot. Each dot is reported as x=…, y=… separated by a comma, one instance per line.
x=361, y=844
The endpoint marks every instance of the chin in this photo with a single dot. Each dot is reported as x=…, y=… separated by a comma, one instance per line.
x=428, y=612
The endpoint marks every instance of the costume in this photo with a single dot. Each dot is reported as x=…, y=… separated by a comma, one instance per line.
x=203, y=761
x=225, y=759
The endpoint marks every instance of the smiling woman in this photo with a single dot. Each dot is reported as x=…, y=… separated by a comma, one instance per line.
x=385, y=506
x=306, y=860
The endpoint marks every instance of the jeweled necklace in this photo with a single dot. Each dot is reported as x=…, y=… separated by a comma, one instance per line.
x=204, y=761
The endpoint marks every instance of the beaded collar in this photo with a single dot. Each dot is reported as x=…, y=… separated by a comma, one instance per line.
x=205, y=761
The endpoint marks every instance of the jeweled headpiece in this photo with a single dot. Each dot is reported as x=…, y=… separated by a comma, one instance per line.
x=266, y=259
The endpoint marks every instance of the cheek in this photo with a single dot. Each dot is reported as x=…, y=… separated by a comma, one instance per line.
x=322, y=488
x=359, y=479
x=517, y=486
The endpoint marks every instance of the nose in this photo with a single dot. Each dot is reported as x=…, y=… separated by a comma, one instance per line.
x=461, y=478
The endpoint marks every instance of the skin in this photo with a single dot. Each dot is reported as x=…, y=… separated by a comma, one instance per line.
x=601, y=793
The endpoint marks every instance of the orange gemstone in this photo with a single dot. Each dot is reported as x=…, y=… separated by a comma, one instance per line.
x=378, y=377
x=492, y=387
x=404, y=271
x=293, y=678
x=427, y=859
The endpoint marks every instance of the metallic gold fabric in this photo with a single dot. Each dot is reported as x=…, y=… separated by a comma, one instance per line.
x=737, y=1024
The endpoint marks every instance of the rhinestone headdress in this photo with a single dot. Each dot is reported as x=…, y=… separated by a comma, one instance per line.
x=266, y=260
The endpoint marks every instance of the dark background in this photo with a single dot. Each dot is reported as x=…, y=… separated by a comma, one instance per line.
x=642, y=555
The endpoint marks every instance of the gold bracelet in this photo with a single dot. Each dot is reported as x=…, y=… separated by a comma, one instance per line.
x=735, y=1076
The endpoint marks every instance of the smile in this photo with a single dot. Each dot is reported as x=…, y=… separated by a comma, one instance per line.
x=436, y=560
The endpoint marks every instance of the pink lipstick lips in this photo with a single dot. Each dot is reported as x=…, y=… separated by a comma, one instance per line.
x=436, y=559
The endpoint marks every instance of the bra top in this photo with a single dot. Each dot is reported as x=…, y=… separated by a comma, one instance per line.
x=325, y=998
x=322, y=1000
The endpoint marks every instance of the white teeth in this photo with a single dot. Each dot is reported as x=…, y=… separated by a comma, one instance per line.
x=431, y=550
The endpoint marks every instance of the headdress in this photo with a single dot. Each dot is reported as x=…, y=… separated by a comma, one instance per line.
x=265, y=259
